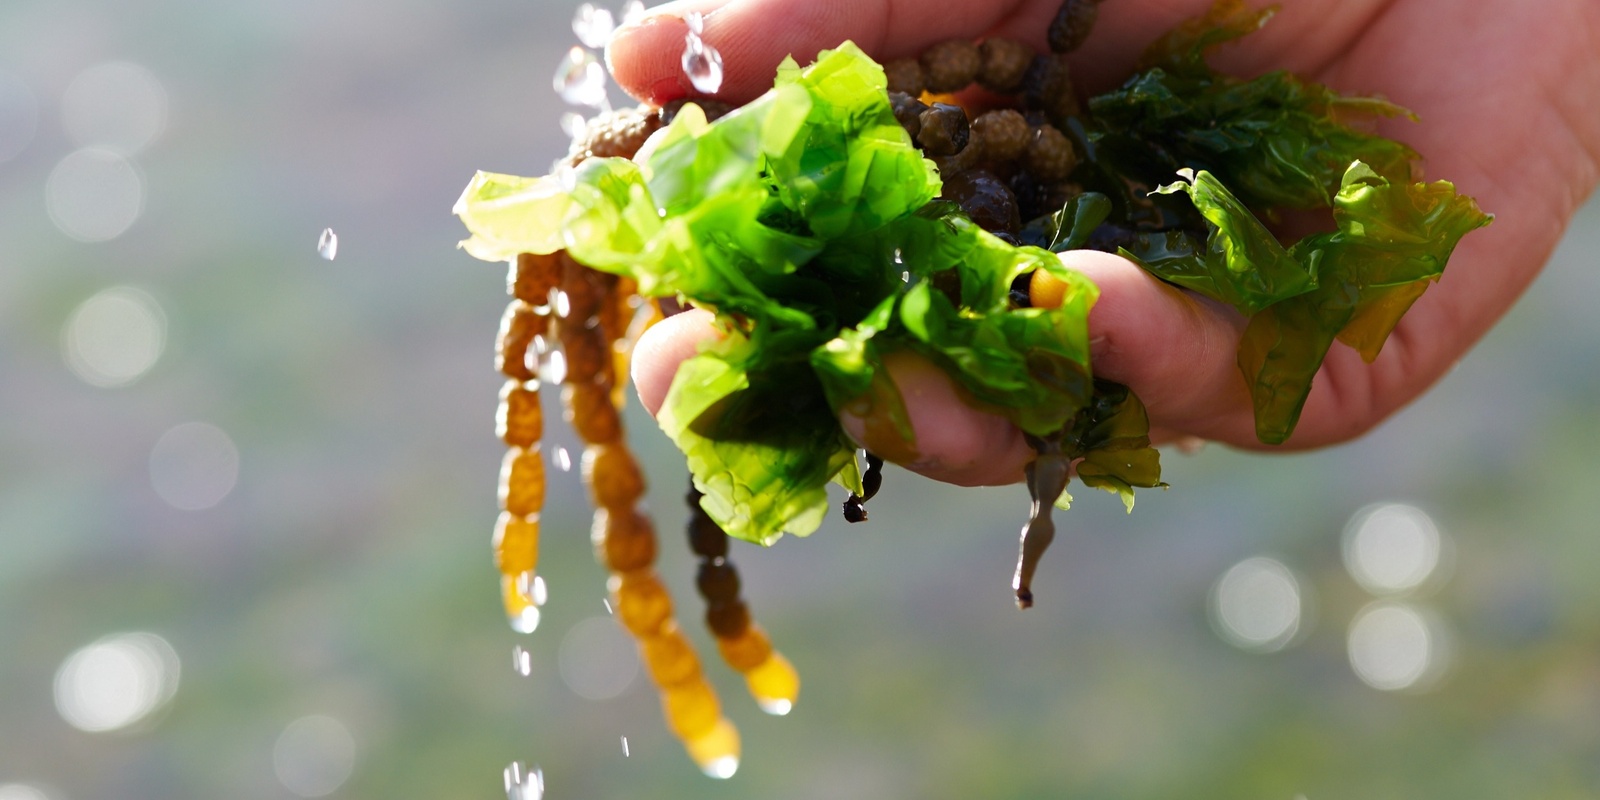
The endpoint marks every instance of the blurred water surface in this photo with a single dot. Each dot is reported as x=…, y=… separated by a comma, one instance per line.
x=282, y=468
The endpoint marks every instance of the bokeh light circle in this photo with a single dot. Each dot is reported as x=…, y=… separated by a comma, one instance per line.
x=1391, y=547
x=1395, y=647
x=1257, y=605
x=114, y=337
x=314, y=756
x=94, y=195
x=19, y=118
x=118, y=105
x=596, y=659
x=194, y=466
x=22, y=791
x=116, y=681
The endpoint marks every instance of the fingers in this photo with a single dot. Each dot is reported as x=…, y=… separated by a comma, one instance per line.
x=952, y=441
x=662, y=348
x=753, y=36
x=1175, y=349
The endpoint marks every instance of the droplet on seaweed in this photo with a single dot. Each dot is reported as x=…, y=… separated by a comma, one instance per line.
x=594, y=26
x=703, y=64
x=696, y=22
x=328, y=244
x=563, y=304
x=522, y=661
x=574, y=125
x=632, y=11
x=581, y=80
x=562, y=459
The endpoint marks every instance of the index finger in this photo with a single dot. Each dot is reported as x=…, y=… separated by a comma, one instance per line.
x=753, y=36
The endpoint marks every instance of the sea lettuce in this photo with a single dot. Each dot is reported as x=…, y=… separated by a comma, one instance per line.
x=806, y=221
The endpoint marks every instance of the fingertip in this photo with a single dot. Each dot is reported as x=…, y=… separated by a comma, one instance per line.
x=663, y=347
x=952, y=441
x=1174, y=348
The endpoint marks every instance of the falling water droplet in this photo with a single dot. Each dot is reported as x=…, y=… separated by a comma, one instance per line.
x=328, y=244
x=523, y=785
x=777, y=706
x=573, y=124
x=696, y=22
x=531, y=587
x=525, y=619
x=624, y=747
x=722, y=768
x=562, y=459
x=632, y=11
x=703, y=64
x=522, y=661
x=593, y=25
x=555, y=368
x=581, y=80
x=607, y=602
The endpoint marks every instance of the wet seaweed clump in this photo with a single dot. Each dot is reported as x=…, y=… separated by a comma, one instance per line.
x=859, y=211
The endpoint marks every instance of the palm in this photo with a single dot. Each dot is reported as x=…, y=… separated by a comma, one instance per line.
x=1506, y=96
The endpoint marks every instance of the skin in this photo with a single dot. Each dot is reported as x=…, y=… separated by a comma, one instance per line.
x=1509, y=100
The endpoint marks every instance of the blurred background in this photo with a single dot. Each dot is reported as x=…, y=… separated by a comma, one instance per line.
x=246, y=494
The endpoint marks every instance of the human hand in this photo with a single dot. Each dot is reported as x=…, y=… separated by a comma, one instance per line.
x=1505, y=95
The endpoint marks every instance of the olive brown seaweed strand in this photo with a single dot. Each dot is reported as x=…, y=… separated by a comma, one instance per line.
x=772, y=680
x=519, y=422
x=623, y=536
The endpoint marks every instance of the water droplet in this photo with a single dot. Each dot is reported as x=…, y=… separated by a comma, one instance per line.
x=624, y=747
x=522, y=661
x=607, y=602
x=703, y=64
x=574, y=125
x=777, y=707
x=328, y=244
x=555, y=368
x=722, y=768
x=581, y=80
x=696, y=22
x=525, y=619
x=905, y=276
x=593, y=25
x=532, y=588
x=563, y=304
x=899, y=257
x=562, y=459
x=522, y=784
x=632, y=11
